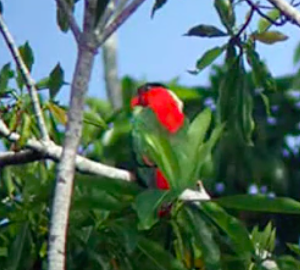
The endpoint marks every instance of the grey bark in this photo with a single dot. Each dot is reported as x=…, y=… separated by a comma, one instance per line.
x=65, y=174
x=110, y=65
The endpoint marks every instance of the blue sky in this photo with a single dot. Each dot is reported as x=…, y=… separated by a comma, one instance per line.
x=148, y=49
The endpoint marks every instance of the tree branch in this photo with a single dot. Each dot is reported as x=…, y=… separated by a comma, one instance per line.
x=112, y=83
x=73, y=24
x=52, y=151
x=26, y=77
x=120, y=19
x=288, y=10
x=21, y=157
x=65, y=176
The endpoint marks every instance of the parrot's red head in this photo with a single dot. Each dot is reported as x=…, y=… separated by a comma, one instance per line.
x=165, y=104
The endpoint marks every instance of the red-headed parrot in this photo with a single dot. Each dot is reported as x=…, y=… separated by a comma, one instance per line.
x=160, y=111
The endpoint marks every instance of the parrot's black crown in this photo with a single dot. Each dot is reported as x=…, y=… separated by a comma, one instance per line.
x=148, y=86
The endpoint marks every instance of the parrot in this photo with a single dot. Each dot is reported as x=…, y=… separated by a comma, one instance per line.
x=160, y=111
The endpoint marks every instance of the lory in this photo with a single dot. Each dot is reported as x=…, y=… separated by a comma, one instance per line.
x=160, y=112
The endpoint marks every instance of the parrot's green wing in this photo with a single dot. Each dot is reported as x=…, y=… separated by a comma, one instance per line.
x=147, y=135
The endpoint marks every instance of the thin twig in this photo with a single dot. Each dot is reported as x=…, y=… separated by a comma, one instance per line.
x=26, y=77
x=73, y=24
x=263, y=15
x=120, y=19
x=248, y=20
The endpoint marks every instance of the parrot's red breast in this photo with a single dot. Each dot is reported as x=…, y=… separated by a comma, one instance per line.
x=163, y=104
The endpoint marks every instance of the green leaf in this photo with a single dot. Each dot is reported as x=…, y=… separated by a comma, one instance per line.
x=61, y=17
x=102, y=201
x=94, y=119
x=28, y=58
x=203, y=152
x=27, y=55
x=42, y=84
x=190, y=152
x=3, y=251
x=233, y=228
x=198, y=128
x=264, y=24
x=204, y=30
x=208, y=57
x=269, y=37
x=287, y=262
x=6, y=74
x=112, y=186
x=294, y=247
x=56, y=80
x=226, y=13
x=155, y=143
x=204, y=239
x=16, y=251
x=157, y=5
x=25, y=129
x=146, y=205
x=58, y=112
x=260, y=203
x=297, y=54
x=264, y=240
x=261, y=75
x=158, y=255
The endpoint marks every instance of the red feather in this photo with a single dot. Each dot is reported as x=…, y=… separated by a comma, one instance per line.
x=161, y=181
x=163, y=105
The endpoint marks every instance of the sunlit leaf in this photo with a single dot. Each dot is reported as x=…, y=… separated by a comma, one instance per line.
x=25, y=129
x=58, y=112
x=94, y=119
x=269, y=37
x=208, y=57
x=226, y=13
x=62, y=18
x=264, y=24
x=5, y=75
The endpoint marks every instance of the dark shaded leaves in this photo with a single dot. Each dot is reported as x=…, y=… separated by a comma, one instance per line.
x=260, y=203
x=204, y=239
x=203, y=30
x=158, y=255
x=56, y=80
x=157, y=5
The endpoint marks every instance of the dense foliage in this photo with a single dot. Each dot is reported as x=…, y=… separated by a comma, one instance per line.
x=243, y=146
